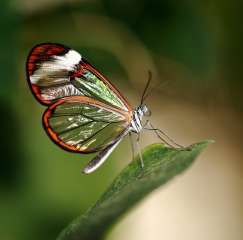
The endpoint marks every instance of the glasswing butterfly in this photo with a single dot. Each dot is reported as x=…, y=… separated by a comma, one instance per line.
x=86, y=113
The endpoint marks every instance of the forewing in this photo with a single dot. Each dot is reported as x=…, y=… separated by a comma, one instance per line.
x=81, y=124
x=55, y=71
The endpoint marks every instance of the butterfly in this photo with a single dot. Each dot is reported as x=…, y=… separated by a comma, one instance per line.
x=86, y=113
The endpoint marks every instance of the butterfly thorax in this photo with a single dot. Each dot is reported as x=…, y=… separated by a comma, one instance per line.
x=138, y=113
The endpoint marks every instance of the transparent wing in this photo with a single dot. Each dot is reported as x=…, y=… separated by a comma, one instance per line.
x=81, y=124
x=55, y=71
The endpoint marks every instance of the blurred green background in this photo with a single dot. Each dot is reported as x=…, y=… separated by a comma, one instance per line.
x=194, y=48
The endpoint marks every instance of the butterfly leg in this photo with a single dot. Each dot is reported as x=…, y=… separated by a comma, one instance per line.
x=139, y=151
x=138, y=147
x=132, y=145
x=158, y=132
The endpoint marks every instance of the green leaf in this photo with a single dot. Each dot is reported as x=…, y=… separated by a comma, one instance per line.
x=160, y=165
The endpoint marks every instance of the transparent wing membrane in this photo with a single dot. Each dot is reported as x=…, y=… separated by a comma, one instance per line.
x=84, y=127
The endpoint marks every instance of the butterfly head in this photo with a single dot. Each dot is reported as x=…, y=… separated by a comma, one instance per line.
x=143, y=110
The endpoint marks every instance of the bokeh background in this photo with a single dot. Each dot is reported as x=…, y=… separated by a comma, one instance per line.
x=193, y=48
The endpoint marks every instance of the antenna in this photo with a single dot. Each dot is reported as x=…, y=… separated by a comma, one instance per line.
x=144, y=95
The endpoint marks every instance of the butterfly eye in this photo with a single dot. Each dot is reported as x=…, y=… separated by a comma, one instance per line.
x=148, y=113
